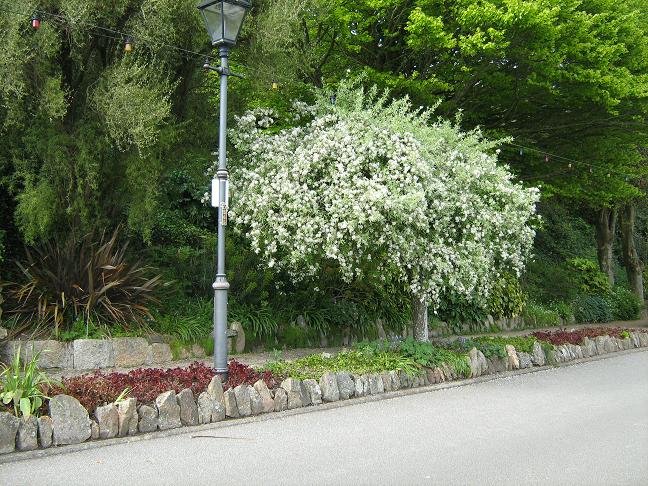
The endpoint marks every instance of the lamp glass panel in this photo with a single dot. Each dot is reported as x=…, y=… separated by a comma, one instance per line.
x=234, y=15
x=214, y=19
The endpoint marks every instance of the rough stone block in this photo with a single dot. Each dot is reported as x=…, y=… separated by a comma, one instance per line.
x=159, y=353
x=346, y=386
x=294, y=392
x=26, y=439
x=525, y=360
x=268, y=402
x=256, y=403
x=538, y=357
x=8, y=429
x=130, y=352
x=280, y=400
x=599, y=341
x=94, y=430
x=242, y=396
x=361, y=386
x=188, y=407
x=127, y=412
x=53, y=354
x=314, y=391
x=376, y=385
x=92, y=353
x=168, y=411
x=328, y=385
x=45, y=431
x=70, y=420
x=512, y=363
x=148, y=419
x=108, y=419
x=231, y=410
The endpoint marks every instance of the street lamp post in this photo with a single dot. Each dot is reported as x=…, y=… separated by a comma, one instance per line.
x=223, y=19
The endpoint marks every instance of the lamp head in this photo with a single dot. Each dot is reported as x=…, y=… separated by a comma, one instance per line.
x=224, y=19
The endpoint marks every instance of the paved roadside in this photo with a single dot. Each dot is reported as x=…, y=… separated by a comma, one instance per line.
x=585, y=424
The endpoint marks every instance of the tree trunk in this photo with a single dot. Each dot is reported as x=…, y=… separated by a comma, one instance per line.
x=605, y=228
x=633, y=265
x=420, y=318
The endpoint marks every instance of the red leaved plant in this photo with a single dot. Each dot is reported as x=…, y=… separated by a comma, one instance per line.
x=576, y=336
x=147, y=383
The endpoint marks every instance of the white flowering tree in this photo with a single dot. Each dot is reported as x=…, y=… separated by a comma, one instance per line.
x=380, y=192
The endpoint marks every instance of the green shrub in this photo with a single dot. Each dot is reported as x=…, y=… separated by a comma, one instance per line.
x=507, y=298
x=295, y=337
x=190, y=321
x=592, y=308
x=563, y=309
x=624, y=304
x=456, y=310
x=589, y=277
x=538, y=315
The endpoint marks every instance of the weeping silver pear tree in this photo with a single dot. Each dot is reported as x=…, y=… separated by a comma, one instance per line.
x=381, y=192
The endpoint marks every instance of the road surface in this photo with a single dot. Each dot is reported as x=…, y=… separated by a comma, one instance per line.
x=579, y=425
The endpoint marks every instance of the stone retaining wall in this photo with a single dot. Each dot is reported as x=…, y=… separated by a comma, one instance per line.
x=69, y=423
x=88, y=354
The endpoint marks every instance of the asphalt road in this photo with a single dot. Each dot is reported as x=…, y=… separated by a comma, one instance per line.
x=579, y=425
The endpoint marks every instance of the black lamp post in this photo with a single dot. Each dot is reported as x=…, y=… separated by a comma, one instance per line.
x=223, y=19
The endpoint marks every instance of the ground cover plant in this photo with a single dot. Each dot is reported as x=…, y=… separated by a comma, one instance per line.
x=146, y=384
x=358, y=361
x=576, y=336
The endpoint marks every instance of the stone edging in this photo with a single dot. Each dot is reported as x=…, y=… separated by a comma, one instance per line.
x=70, y=424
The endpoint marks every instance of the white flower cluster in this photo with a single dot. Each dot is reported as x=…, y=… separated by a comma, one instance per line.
x=378, y=192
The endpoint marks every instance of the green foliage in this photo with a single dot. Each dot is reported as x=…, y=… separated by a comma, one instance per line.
x=22, y=385
x=426, y=354
x=624, y=304
x=83, y=279
x=188, y=320
x=589, y=277
x=592, y=308
x=493, y=346
x=81, y=330
x=456, y=310
x=507, y=299
x=538, y=315
x=356, y=362
x=564, y=310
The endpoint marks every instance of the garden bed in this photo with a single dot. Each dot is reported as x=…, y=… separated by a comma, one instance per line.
x=100, y=406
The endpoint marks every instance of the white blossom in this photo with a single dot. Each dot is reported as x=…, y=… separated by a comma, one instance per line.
x=369, y=185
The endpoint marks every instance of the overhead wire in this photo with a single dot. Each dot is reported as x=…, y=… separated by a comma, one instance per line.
x=569, y=160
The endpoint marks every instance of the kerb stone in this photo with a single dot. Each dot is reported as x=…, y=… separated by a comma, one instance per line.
x=188, y=407
x=70, y=420
x=108, y=419
x=168, y=411
x=328, y=385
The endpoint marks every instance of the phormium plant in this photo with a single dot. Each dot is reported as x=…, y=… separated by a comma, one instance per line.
x=82, y=278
